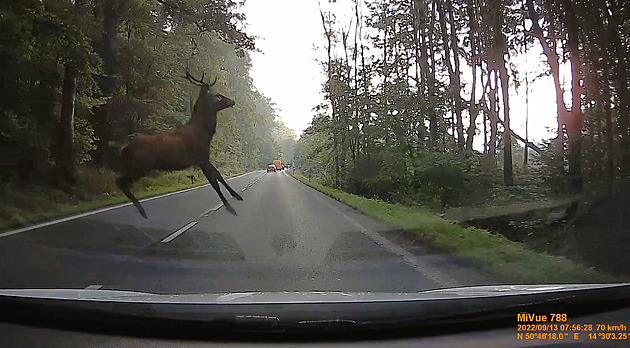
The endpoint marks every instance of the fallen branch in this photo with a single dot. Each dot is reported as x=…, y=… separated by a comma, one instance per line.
x=520, y=138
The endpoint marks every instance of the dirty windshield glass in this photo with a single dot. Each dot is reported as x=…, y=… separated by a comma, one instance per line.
x=195, y=146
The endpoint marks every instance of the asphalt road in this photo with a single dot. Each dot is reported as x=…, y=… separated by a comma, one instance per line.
x=287, y=237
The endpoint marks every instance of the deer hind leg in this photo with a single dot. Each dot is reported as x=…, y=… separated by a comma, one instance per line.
x=212, y=178
x=221, y=180
x=123, y=183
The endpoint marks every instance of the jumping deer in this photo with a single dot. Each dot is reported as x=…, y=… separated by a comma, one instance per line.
x=180, y=148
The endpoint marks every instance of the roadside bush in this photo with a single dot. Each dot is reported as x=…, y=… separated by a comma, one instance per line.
x=443, y=182
x=377, y=177
x=93, y=181
x=440, y=178
x=362, y=169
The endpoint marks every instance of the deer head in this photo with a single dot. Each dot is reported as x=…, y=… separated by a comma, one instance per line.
x=208, y=100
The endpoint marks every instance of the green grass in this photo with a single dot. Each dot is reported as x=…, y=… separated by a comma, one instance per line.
x=511, y=261
x=95, y=188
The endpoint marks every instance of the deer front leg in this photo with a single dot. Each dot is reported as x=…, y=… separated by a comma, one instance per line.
x=221, y=180
x=123, y=184
x=213, y=179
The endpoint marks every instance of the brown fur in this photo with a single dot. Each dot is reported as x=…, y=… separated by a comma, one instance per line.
x=178, y=149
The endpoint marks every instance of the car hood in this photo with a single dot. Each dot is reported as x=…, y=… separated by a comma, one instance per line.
x=304, y=311
x=458, y=293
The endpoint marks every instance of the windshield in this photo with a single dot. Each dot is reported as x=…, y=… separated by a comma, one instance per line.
x=374, y=146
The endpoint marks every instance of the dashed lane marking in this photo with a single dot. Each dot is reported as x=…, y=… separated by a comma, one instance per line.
x=213, y=209
x=178, y=232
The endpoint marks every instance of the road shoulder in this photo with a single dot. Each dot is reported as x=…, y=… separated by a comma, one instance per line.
x=439, y=266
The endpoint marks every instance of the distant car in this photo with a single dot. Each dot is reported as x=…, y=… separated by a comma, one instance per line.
x=271, y=168
x=278, y=164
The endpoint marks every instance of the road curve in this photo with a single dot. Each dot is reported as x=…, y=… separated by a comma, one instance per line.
x=287, y=237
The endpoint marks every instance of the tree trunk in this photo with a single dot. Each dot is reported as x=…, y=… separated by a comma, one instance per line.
x=355, y=59
x=331, y=97
x=574, y=122
x=621, y=70
x=111, y=18
x=433, y=122
x=367, y=115
x=111, y=11
x=552, y=60
x=610, y=152
x=486, y=149
x=424, y=57
x=526, y=149
x=456, y=77
x=418, y=120
x=508, y=176
x=346, y=135
x=474, y=110
x=624, y=117
x=493, y=117
x=447, y=58
x=384, y=96
x=62, y=145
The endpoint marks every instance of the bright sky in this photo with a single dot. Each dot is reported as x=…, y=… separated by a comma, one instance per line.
x=286, y=71
x=288, y=32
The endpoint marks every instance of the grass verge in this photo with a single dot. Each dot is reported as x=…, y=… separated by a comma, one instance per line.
x=95, y=188
x=511, y=261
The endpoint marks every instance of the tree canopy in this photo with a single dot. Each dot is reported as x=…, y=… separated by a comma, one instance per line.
x=78, y=77
x=395, y=97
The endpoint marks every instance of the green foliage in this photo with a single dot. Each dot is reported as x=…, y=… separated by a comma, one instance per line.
x=377, y=177
x=84, y=140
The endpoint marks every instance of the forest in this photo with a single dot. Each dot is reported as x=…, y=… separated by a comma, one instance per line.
x=399, y=120
x=77, y=78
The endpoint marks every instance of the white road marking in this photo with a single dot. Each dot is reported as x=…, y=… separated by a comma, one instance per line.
x=213, y=209
x=94, y=287
x=430, y=272
x=78, y=216
x=252, y=183
x=178, y=232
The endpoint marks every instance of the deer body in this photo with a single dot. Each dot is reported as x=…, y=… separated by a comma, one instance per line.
x=175, y=150
x=178, y=149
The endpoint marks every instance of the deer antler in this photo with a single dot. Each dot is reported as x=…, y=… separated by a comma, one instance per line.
x=190, y=78
x=194, y=80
